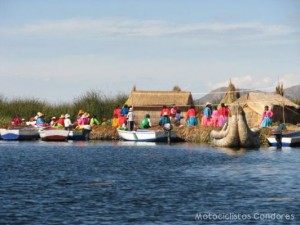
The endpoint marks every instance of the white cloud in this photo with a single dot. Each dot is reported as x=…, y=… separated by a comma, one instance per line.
x=289, y=79
x=88, y=28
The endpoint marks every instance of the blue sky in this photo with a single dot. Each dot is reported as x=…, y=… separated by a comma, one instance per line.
x=58, y=50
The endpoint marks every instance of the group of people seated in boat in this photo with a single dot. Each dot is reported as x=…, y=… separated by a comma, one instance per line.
x=83, y=120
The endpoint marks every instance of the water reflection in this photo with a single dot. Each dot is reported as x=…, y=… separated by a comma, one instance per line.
x=135, y=143
x=232, y=151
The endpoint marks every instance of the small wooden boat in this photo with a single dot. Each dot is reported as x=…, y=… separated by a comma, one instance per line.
x=53, y=134
x=289, y=139
x=146, y=135
x=24, y=133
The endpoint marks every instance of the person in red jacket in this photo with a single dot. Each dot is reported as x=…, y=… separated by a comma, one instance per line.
x=191, y=116
x=165, y=110
x=223, y=114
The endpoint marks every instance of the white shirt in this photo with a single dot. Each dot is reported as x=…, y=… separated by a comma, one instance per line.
x=67, y=122
x=130, y=116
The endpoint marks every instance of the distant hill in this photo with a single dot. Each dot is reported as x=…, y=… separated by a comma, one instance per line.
x=215, y=96
x=292, y=93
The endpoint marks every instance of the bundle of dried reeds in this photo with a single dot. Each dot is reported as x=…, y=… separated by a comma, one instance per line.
x=104, y=133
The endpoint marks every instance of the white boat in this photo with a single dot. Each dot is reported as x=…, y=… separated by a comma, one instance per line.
x=146, y=135
x=24, y=133
x=53, y=134
x=289, y=139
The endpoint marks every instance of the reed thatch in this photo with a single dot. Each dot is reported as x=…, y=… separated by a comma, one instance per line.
x=254, y=102
x=231, y=95
x=279, y=89
x=104, y=133
x=151, y=102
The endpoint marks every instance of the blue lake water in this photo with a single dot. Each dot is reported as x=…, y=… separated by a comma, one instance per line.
x=144, y=183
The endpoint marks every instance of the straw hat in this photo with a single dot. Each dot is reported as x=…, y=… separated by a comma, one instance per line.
x=81, y=112
x=62, y=116
x=85, y=115
x=39, y=114
x=208, y=103
x=53, y=118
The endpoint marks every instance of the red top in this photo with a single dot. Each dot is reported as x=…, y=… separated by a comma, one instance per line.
x=162, y=112
x=268, y=113
x=173, y=110
x=117, y=112
x=191, y=112
x=223, y=111
x=60, y=121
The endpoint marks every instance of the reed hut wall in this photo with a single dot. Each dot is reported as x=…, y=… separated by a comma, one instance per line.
x=283, y=109
x=151, y=102
x=252, y=117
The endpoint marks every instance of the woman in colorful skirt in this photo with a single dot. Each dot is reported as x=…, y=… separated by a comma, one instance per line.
x=206, y=115
x=223, y=115
x=191, y=116
x=266, y=120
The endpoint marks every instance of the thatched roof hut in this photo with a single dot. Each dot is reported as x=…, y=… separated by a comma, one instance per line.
x=231, y=95
x=254, y=102
x=151, y=102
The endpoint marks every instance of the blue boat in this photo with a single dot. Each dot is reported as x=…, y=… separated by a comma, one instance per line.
x=26, y=133
x=288, y=140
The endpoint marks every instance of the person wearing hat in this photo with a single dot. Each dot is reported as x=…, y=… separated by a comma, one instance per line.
x=53, y=121
x=60, y=123
x=130, y=119
x=40, y=121
x=206, y=115
x=78, y=117
x=67, y=122
x=84, y=119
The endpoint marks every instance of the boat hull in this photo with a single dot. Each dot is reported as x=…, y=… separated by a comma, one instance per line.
x=145, y=135
x=288, y=140
x=20, y=134
x=54, y=134
x=80, y=135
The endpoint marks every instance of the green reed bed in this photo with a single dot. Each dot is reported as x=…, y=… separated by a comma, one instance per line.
x=93, y=102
